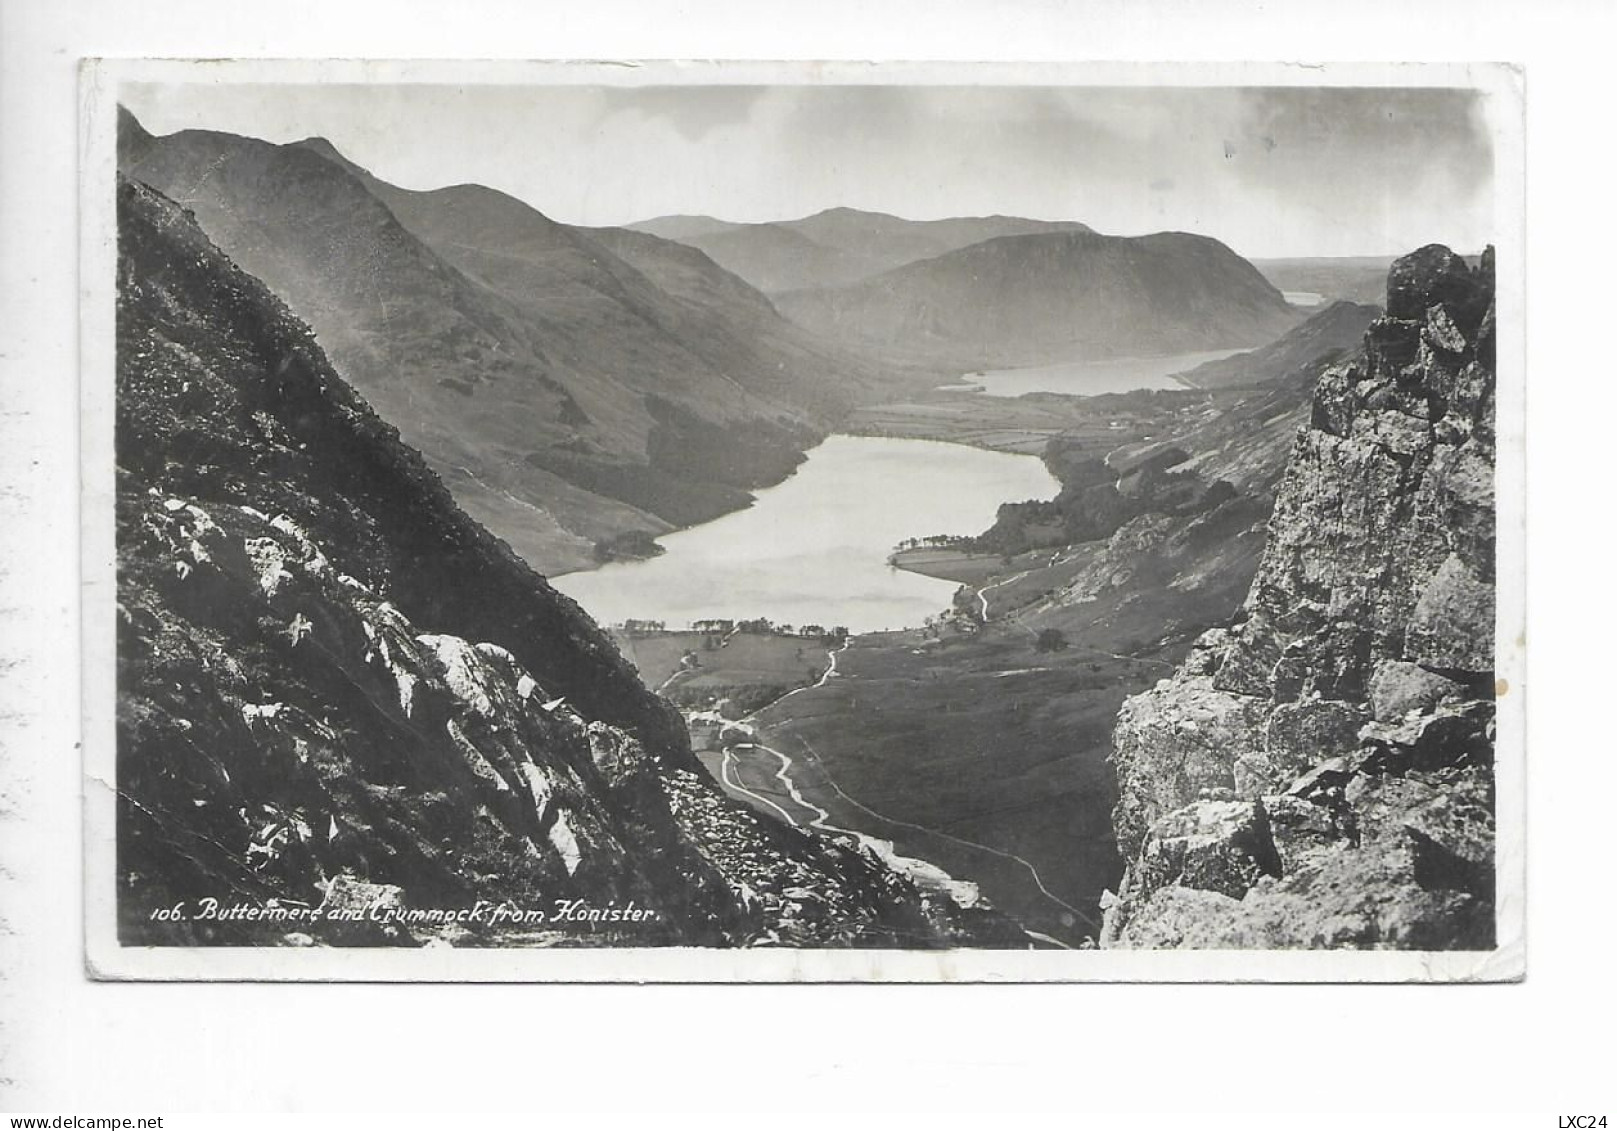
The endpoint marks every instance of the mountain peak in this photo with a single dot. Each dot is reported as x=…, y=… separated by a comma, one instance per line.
x=133, y=138
x=324, y=148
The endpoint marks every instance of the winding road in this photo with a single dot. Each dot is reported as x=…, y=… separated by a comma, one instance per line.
x=816, y=817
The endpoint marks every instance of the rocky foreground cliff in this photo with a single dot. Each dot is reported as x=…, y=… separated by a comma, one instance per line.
x=338, y=692
x=1320, y=772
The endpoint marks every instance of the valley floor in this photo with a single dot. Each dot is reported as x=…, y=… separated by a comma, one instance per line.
x=978, y=743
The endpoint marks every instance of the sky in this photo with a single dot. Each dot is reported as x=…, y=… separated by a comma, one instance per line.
x=1273, y=172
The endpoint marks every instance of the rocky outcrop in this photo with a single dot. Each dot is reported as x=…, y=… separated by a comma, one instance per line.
x=1320, y=773
x=338, y=693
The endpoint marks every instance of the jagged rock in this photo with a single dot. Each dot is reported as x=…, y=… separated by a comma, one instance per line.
x=1220, y=846
x=1398, y=687
x=1453, y=621
x=1357, y=712
x=1429, y=276
x=1172, y=743
x=1452, y=734
x=1332, y=662
x=1298, y=827
x=358, y=913
x=348, y=896
x=1452, y=836
x=1255, y=775
x=1302, y=734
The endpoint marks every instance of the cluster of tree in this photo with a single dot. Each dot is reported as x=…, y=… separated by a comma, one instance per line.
x=644, y=627
x=763, y=626
x=1050, y=640
x=934, y=542
x=631, y=545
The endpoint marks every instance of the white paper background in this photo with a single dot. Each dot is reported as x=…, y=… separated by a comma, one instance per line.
x=66, y=1044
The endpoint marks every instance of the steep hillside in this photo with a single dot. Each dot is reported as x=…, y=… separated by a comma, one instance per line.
x=565, y=396
x=1024, y=300
x=338, y=692
x=1324, y=338
x=1320, y=772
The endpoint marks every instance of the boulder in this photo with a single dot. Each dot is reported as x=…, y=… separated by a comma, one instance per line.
x=1431, y=275
x=1298, y=827
x=1308, y=732
x=1220, y=846
x=1453, y=622
x=1398, y=687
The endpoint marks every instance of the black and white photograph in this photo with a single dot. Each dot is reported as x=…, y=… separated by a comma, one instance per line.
x=757, y=522
x=1001, y=563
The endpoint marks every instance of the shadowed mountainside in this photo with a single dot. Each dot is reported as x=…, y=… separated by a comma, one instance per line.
x=1327, y=336
x=1032, y=299
x=567, y=395
x=338, y=691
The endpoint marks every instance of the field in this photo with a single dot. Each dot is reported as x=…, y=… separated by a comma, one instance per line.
x=696, y=669
x=1025, y=424
x=970, y=753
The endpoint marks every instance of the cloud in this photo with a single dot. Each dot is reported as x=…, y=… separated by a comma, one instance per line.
x=693, y=111
x=1271, y=171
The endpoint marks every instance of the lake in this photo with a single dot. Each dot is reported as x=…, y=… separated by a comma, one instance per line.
x=813, y=550
x=1087, y=378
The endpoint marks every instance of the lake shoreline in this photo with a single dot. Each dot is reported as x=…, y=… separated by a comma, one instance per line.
x=815, y=549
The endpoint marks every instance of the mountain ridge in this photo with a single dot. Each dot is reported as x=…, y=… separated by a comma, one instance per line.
x=338, y=691
x=836, y=246
x=1048, y=297
x=549, y=380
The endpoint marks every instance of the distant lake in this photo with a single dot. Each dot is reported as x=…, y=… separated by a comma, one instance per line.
x=1087, y=378
x=813, y=550
x=1303, y=298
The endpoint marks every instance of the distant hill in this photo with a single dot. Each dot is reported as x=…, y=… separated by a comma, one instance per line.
x=1328, y=335
x=566, y=394
x=1061, y=296
x=837, y=246
x=683, y=227
x=775, y=258
x=1361, y=279
x=897, y=241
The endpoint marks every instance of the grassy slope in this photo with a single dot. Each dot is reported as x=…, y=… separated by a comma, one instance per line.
x=1054, y=296
x=981, y=736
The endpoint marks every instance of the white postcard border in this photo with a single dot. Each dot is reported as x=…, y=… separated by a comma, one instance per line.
x=106, y=959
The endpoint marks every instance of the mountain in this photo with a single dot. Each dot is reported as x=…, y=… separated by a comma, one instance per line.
x=1031, y=299
x=683, y=227
x=837, y=246
x=566, y=397
x=1319, y=772
x=774, y=258
x=1322, y=339
x=896, y=241
x=338, y=692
